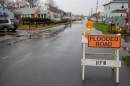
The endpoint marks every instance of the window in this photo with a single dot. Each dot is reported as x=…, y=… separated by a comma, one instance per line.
x=4, y=21
x=44, y=15
x=109, y=7
x=26, y=15
x=122, y=6
x=38, y=15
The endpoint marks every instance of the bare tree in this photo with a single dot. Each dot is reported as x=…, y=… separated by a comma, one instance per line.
x=20, y=3
x=52, y=5
x=2, y=2
x=33, y=3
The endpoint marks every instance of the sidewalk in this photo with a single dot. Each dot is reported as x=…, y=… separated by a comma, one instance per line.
x=123, y=51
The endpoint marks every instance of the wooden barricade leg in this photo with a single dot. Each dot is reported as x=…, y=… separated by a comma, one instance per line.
x=114, y=57
x=83, y=67
x=117, y=69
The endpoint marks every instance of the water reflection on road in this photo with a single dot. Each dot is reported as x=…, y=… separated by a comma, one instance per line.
x=10, y=37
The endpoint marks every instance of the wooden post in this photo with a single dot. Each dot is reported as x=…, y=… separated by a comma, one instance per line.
x=29, y=26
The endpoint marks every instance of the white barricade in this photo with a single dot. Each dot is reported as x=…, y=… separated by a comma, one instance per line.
x=101, y=41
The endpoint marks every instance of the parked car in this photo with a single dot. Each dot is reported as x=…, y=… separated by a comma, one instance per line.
x=8, y=24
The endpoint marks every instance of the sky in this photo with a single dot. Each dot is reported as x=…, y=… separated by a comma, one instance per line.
x=82, y=7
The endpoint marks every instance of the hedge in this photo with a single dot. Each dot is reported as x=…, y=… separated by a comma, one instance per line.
x=36, y=19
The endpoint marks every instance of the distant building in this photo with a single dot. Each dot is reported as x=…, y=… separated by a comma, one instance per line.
x=67, y=15
x=6, y=13
x=77, y=17
x=116, y=8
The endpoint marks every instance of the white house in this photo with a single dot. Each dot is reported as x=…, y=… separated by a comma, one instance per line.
x=116, y=8
x=67, y=15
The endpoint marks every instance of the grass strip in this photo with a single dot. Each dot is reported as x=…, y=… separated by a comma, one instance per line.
x=101, y=27
x=127, y=60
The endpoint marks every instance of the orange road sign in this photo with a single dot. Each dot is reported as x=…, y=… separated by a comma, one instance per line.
x=104, y=41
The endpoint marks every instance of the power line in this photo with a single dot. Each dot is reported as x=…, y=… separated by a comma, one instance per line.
x=87, y=5
x=104, y=3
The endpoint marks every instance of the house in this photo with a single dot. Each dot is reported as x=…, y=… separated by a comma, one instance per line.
x=116, y=8
x=27, y=12
x=6, y=13
x=74, y=17
x=67, y=15
x=77, y=17
x=37, y=12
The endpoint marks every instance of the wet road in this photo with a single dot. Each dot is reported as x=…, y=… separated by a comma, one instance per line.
x=55, y=61
x=21, y=35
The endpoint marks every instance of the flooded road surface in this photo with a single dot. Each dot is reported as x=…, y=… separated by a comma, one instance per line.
x=56, y=61
x=19, y=35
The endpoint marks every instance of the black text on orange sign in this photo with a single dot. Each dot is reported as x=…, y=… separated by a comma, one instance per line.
x=104, y=41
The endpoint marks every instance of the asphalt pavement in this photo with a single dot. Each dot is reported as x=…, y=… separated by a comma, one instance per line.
x=125, y=48
x=10, y=38
x=56, y=61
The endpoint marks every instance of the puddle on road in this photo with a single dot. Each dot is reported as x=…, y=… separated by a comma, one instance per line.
x=18, y=36
x=79, y=22
x=8, y=33
x=42, y=34
x=50, y=33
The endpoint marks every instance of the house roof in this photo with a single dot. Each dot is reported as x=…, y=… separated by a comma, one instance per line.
x=116, y=1
x=27, y=10
x=43, y=12
x=119, y=11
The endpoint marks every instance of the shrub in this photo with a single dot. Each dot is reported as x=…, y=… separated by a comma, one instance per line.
x=128, y=32
x=36, y=19
x=114, y=31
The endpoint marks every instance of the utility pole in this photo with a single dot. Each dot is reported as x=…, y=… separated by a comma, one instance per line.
x=127, y=17
x=97, y=12
x=19, y=4
x=128, y=11
x=91, y=11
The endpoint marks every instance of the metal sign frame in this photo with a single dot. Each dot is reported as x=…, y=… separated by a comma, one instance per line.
x=98, y=62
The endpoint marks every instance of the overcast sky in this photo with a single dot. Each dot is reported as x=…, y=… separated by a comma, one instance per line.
x=80, y=6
